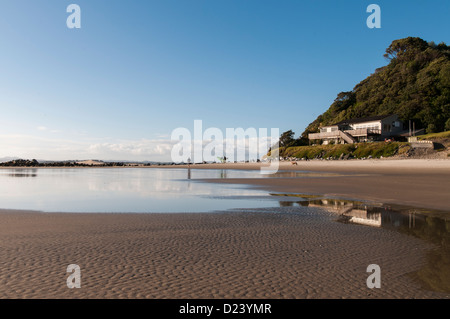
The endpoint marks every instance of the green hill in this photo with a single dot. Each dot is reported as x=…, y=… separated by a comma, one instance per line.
x=415, y=85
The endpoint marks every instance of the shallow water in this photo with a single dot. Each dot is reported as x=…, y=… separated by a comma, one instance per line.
x=138, y=190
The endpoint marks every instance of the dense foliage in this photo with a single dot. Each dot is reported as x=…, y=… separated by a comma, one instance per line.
x=415, y=85
x=346, y=151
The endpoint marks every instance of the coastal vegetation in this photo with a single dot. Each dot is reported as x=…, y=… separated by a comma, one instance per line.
x=346, y=151
x=415, y=85
x=441, y=142
x=435, y=136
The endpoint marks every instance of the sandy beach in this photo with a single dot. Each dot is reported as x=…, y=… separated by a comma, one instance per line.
x=285, y=252
x=280, y=253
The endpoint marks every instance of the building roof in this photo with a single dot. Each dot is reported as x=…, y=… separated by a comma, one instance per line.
x=362, y=120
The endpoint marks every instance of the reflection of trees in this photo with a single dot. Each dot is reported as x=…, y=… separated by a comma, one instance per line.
x=303, y=203
x=435, y=274
x=24, y=173
x=286, y=204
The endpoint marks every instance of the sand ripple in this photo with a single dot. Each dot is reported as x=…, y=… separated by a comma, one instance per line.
x=273, y=253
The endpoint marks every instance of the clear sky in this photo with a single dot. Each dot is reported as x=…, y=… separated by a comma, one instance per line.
x=136, y=70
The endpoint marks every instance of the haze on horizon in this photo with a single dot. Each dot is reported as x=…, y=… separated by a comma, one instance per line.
x=116, y=88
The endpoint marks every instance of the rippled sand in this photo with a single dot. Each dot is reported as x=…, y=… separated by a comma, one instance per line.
x=290, y=252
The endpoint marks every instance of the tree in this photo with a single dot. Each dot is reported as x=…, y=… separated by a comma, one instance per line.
x=431, y=128
x=405, y=47
x=447, y=125
x=287, y=139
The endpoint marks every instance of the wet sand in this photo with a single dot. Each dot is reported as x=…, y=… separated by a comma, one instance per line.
x=270, y=253
x=417, y=183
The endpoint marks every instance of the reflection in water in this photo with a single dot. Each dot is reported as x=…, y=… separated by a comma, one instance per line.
x=119, y=190
x=352, y=212
x=432, y=227
x=239, y=173
x=223, y=174
x=23, y=172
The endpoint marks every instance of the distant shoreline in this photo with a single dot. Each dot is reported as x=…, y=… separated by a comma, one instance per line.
x=397, y=163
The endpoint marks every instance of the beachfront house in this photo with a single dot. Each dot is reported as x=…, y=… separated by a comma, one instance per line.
x=368, y=129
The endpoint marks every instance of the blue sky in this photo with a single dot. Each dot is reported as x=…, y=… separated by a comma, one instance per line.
x=136, y=70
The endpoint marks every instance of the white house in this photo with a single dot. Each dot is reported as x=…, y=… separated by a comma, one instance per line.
x=360, y=130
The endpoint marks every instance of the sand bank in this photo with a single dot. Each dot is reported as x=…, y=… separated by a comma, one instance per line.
x=273, y=253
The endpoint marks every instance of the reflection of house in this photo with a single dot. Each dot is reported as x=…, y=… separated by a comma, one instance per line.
x=351, y=211
x=363, y=217
x=376, y=215
x=360, y=130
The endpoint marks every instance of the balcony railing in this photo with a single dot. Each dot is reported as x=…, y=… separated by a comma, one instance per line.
x=336, y=134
